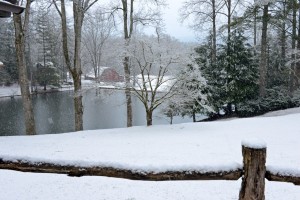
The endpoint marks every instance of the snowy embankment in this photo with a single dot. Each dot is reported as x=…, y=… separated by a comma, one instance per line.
x=208, y=146
x=14, y=90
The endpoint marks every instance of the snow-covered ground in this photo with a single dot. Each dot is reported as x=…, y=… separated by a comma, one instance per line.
x=14, y=90
x=10, y=91
x=204, y=146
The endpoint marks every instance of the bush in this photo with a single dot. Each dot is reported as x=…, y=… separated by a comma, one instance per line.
x=276, y=99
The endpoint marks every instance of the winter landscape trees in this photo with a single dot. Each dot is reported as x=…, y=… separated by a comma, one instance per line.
x=21, y=24
x=248, y=70
x=246, y=56
x=122, y=67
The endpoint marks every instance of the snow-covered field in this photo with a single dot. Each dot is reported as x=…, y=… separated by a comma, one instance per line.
x=206, y=146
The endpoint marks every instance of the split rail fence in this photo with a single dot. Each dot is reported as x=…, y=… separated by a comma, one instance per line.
x=253, y=173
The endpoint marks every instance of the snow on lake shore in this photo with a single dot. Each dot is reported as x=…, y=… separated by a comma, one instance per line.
x=206, y=145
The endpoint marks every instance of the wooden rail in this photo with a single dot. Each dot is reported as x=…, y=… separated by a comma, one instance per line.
x=25, y=166
x=253, y=174
x=282, y=178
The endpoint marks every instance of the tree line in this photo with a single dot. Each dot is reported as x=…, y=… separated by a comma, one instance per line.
x=245, y=63
x=250, y=57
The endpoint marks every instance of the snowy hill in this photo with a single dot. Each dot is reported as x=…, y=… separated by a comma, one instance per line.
x=207, y=145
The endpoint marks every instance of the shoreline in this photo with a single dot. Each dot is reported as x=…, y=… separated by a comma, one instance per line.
x=53, y=90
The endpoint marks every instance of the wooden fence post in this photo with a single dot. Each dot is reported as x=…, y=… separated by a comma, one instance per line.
x=253, y=181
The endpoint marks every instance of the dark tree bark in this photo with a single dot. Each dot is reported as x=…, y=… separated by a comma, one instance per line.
x=79, y=9
x=21, y=27
x=194, y=116
x=297, y=70
x=255, y=26
x=214, y=33
x=149, y=114
x=283, y=34
x=294, y=36
x=263, y=56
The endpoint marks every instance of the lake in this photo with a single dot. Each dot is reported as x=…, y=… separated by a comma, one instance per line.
x=54, y=112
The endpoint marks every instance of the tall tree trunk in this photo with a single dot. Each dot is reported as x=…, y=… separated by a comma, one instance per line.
x=297, y=69
x=20, y=33
x=75, y=70
x=228, y=65
x=294, y=36
x=78, y=21
x=263, y=56
x=128, y=92
x=214, y=33
x=255, y=28
x=194, y=116
x=127, y=36
x=149, y=114
x=283, y=35
x=297, y=81
x=228, y=19
x=78, y=103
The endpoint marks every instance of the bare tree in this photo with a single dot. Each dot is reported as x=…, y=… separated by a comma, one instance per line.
x=133, y=13
x=80, y=7
x=230, y=6
x=154, y=57
x=21, y=27
x=97, y=30
x=203, y=12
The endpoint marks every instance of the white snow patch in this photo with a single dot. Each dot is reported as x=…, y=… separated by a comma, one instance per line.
x=284, y=171
x=207, y=146
x=282, y=112
x=254, y=143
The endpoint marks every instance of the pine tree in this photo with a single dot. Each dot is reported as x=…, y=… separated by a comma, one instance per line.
x=212, y=73
x=233, y=79
x=194, y=93
x=238, y=71
x=47, y=75
x=7, y=50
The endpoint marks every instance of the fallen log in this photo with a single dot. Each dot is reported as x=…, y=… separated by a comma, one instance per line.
x=26, y=166
x=271, y=176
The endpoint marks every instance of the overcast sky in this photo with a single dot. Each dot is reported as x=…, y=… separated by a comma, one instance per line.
x=173, y=26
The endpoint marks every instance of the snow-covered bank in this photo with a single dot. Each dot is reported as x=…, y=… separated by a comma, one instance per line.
x=209, y=145
x=14, y=90
x=282, y=112
x=161, y=147
x=29, y=186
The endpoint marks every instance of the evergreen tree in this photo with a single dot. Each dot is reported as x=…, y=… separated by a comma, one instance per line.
x=233, y=79
x=194, y=92
x=47, y=75
x=238, y=71
x=211, y=72
x=7, y=50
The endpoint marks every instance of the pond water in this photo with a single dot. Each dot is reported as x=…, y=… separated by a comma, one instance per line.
x=54, y=112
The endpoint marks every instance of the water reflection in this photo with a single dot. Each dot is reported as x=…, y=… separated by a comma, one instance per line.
x=54, y=113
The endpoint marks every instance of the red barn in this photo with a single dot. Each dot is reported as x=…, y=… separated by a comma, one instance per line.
x=107, y=74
